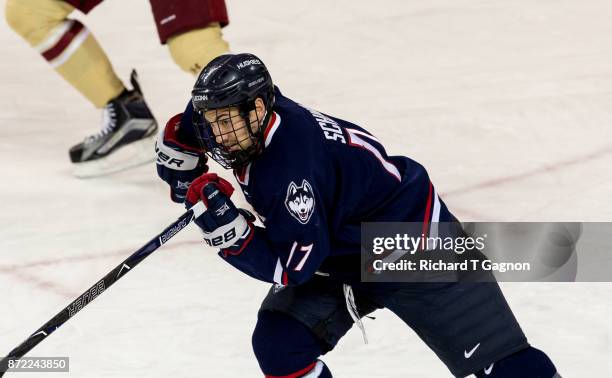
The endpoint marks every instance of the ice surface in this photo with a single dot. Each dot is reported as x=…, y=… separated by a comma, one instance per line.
x=508, y=104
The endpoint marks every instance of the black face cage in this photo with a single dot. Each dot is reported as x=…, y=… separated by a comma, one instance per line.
x=225, y=141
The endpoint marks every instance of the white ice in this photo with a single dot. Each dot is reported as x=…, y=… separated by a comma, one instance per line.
x=508, y=104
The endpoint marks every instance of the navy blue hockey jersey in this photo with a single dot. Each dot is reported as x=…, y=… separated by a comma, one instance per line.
x=316, y=180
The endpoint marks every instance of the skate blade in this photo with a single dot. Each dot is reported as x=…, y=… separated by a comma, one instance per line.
x=126, y=157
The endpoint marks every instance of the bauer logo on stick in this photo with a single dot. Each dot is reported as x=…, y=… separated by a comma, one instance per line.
x=85, y=298
x=300, y=201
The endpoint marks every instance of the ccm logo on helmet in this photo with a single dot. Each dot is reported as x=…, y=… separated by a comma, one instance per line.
x=247, y=63
x=200, y=98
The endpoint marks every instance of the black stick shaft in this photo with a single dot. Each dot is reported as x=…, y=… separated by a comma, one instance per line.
x=100, y=286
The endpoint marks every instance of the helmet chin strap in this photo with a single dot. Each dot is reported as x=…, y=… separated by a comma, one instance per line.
x=264, y=121
x=247, y=108
x=243, y=156
x=261, y=123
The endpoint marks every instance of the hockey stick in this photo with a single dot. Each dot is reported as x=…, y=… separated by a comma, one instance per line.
x=100, y=286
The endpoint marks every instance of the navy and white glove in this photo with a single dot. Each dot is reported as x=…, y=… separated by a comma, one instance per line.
x=178, y=164
x=223, y=225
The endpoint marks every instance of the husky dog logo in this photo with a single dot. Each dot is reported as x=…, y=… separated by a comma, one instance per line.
x=300, y=201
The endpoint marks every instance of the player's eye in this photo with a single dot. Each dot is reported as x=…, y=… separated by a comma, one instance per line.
x=224, y=122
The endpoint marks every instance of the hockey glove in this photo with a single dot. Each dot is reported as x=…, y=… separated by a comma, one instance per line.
x=178, y=164
x=223, y=225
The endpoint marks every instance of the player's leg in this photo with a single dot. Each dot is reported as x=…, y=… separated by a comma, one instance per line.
x=285, y=347
x=529, y=362
x=194, y=49
x=68, y=46
x=469, y=326
x=192, y=30
x=128, y=126
x=298, y=324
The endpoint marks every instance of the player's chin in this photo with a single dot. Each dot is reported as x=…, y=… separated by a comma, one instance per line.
x=238, y=147
x=230, y=147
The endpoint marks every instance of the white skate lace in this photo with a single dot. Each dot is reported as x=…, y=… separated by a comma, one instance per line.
x=352, y=309
x=109, y=121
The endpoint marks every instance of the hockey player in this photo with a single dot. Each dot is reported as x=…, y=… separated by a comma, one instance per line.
x=190, y=28
x=312, y=179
